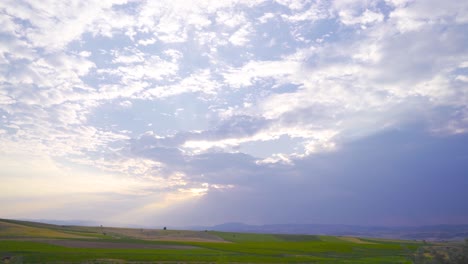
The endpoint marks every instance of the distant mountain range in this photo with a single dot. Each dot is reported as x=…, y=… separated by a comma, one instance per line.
x=430, y=233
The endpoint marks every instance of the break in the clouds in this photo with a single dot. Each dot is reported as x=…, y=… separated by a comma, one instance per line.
x=202, y=112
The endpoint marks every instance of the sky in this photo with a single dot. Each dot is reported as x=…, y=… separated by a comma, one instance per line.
x=203, y=112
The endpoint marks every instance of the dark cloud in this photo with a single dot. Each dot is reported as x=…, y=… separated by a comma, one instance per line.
x=166, y=149
x=396, y=177
x=238, y=126
x=169, y=156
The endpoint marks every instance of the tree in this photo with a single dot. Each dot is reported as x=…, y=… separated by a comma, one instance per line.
x=449, y=254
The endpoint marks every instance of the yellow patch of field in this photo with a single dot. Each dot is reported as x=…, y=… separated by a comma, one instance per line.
x=11, y=230
x=355, y=240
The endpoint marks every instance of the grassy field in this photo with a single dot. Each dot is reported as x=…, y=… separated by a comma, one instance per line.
x=28, y=242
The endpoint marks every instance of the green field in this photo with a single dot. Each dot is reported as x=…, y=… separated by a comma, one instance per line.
x=28, y=242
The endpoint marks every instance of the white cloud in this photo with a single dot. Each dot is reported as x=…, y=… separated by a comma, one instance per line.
x=85, y=53
x=128, y=56
x=146, y=42
x=266, y=17
x=276, y=158
x=137, y=68
x=241, y=36
x=75, y=19
x=462, y=78
x=414, y=15
x=126, y=104
x=367, y=17
x=255, y=70
x=293, y=4
x=201, y=81
x=170, y=20
x=315, y=12
x=230, y=19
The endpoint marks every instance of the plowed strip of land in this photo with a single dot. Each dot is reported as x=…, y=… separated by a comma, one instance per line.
x=96, y=244
x=355, y=240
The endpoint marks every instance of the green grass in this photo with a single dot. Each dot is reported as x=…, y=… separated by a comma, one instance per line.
x=237, y=247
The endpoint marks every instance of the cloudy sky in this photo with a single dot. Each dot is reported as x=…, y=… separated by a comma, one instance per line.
x=203, y=112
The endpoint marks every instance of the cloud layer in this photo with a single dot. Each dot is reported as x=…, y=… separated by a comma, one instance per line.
x=169, y=110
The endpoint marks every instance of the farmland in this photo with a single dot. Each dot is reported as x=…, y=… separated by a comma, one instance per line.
x=29, y=242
